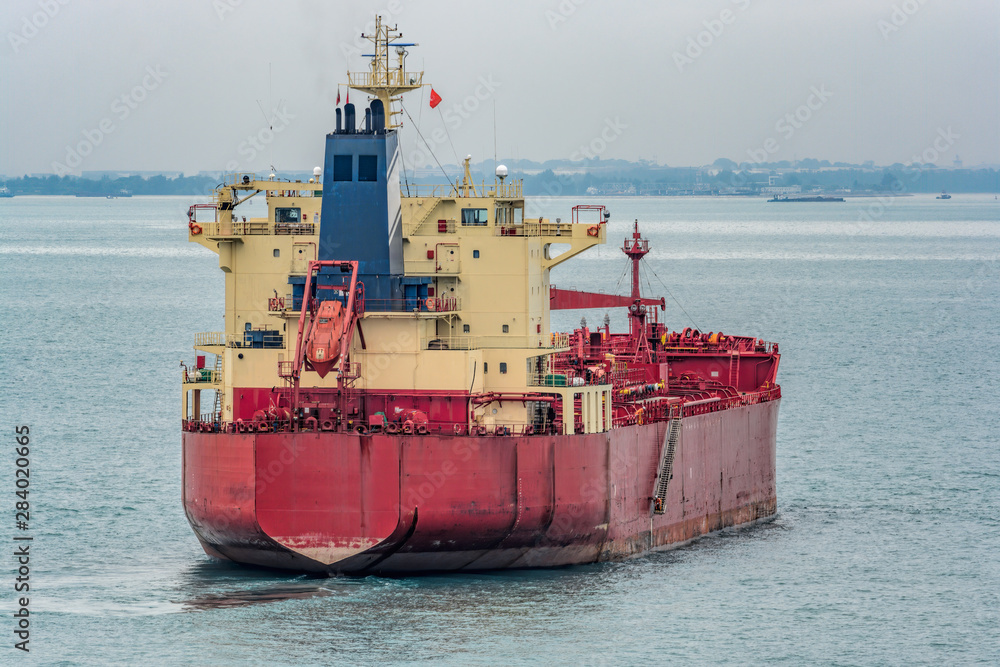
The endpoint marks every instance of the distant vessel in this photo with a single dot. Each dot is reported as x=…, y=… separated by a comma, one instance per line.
x=5, y=193
x=785, y=198
x=944, y=195
x=106, y=195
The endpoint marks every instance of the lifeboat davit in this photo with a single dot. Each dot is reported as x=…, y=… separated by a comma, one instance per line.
x=323, y=346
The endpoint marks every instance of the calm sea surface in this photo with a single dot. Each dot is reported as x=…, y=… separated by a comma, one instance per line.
x=886, y=549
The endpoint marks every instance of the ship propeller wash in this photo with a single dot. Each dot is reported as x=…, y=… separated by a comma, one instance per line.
x=388, y=397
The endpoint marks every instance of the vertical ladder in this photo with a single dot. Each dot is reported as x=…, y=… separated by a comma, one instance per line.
x=217, y=377
x=666, y=466
x=734, y=370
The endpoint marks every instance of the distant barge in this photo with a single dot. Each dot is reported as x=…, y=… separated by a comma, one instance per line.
x=805, y=199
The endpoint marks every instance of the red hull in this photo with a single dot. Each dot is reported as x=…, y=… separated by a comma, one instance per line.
x=389, y=504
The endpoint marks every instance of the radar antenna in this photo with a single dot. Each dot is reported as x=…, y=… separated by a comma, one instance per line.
x=383, y=80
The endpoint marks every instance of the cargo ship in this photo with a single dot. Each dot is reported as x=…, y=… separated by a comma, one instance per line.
x=388, y=396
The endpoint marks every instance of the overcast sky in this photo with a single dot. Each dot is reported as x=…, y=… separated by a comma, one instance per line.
x=176, y=85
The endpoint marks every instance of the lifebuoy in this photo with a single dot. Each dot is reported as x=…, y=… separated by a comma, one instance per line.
x=593, y=230
x=431, y=306
x=195, y=228
x=459, y=429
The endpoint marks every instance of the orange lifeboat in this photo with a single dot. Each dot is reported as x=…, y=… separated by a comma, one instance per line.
x=323, y=345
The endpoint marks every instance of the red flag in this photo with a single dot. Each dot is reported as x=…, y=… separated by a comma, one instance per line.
x=338, y=96
x=348, y=95
x=435, y=99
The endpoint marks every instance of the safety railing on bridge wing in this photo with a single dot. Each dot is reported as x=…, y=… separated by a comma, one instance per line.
x=201, y=375
x=539, y=341
x=210, y=339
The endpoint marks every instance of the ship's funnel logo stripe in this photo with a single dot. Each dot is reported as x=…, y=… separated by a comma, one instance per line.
x=395, y=224
x=392, y=165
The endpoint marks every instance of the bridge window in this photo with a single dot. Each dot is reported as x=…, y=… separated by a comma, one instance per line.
x=475, y=254
x=287, y=215
x=506, y=328
x=343, y=167
x=465, y=328
x=367, y=168
x=503, y=367
x=474, y=217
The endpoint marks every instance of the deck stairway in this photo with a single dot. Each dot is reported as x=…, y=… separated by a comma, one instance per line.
x=217, y=376
x=666, y=466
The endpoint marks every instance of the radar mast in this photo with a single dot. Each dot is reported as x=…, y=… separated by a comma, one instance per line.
x=383, y=80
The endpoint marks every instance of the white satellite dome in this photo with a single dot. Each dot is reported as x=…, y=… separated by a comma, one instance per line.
x=501, y=171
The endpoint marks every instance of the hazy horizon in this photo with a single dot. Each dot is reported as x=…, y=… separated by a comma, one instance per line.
x=191, y=86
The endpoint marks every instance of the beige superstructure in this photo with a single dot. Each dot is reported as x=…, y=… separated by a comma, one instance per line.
x=486, y=328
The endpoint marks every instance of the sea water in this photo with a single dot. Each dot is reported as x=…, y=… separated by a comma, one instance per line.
x=885, y=549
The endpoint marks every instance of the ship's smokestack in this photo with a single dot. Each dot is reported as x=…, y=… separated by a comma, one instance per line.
x=378, y=115
x=368, y=120
x=349, y=118
x=338, y=120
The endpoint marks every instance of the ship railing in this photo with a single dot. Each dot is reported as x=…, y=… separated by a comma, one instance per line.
x=210, y=339
x=277, y=304
x=537, y=341
x=237, y=178
x=257, y=227
x=540, y=228
x=427, y=225
x=564, y=377
x=212, y=423
x=391, y=77
x=560, y=379
x=432, y=304
x=256, y=338
x=622, y=376
x=659, y=407
x=201, y=376
x=508, y=190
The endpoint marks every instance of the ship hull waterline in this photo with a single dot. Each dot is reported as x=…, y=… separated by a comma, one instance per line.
x=342, y=503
